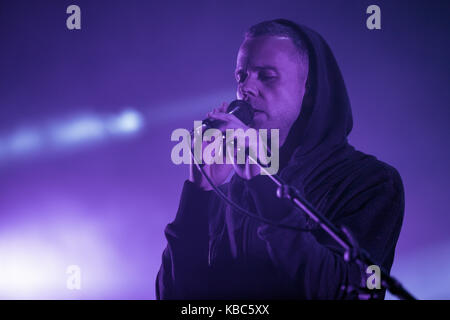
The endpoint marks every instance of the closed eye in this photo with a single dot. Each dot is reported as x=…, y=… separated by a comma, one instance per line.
x=267, y=77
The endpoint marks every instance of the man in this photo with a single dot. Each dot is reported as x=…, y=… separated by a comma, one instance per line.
x=290, y=77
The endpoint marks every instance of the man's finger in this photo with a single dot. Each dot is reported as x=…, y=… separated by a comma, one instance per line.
x=223, y=107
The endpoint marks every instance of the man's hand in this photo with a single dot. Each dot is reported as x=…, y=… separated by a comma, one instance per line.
x=218, y=173
x=249, y=169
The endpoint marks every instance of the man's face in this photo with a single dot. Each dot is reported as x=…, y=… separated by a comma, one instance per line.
x=271, y=78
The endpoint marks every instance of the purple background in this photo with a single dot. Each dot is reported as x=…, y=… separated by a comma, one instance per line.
x=102, y=202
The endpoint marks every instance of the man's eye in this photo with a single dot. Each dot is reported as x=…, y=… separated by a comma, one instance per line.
x=265, y=77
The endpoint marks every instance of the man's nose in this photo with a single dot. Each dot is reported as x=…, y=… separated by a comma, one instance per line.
x=247, y=88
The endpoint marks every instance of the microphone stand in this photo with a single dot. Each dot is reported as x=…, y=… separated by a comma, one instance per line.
x=353, y=253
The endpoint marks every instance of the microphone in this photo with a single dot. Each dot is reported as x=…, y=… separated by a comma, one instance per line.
x=239, y=108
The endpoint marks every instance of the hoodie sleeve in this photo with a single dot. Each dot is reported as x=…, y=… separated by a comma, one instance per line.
x=184, y=269
x=374, y=216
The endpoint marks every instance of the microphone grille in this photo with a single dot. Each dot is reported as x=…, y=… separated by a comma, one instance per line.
x=242, y=110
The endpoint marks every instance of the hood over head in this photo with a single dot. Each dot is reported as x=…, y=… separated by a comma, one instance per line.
x=325, y=119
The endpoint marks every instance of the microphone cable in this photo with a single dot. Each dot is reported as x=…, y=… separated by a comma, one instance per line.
x=236, y=206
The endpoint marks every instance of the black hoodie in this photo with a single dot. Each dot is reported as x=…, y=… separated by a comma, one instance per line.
x=214, y=252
